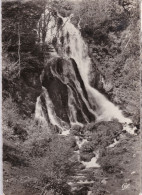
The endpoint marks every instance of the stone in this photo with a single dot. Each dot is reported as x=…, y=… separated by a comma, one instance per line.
x=61, y=78
x=86, y=156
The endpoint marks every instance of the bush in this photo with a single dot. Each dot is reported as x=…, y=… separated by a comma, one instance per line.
x=38, y=148
x=50, y=158
x=10, y=112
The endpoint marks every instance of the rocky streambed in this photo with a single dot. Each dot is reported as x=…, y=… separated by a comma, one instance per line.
x=100, y=150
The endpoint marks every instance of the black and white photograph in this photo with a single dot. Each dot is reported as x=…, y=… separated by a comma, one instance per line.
x=71, y=85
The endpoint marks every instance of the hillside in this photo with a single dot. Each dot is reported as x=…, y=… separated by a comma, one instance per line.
x=70, y=77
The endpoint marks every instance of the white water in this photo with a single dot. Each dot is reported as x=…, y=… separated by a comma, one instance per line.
x=113, y=144
x=84, y=182
x=106, y=110
x=80, y=142
x=39, y=115
x=93, y=163
x=50, y=108
x=65, y=132
x=73, y=41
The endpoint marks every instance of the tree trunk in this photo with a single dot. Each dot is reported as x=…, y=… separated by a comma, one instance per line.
x=19, y=49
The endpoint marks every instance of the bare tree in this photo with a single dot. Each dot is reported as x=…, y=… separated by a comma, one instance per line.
x=19, y=49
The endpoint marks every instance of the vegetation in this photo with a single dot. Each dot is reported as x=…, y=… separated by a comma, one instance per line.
x=22, y=57
x=121, y=174
x=111, y=30
x=36, y=149
x=37, y=161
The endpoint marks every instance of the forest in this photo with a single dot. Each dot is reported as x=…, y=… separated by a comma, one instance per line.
x=70, y=97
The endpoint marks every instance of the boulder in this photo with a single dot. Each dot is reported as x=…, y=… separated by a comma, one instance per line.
x=86, y=156
x=62, y=80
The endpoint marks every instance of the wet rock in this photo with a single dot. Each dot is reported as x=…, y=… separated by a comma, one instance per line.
x=87, y=147
x=57, y=90
x=59, y=22
x=76, y=128
x=76, y=148
x=86, y=156
x=74, y=132
x=81, y=167
x=111, y=125
x=101, y=135
x=60, y=78
x=89, y=127
x=80, y=78
x=82, y=191
x=56, y=129
x=72, y=142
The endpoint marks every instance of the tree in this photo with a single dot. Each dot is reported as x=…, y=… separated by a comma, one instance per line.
x=19, y=37
x=19, y=48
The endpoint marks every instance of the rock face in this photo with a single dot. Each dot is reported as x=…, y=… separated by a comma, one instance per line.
x=66, y=92
x=24, y=90
x=58, y=91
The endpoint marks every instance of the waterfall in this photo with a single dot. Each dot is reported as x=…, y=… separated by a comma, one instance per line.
x=70, y=44
x=106, y=110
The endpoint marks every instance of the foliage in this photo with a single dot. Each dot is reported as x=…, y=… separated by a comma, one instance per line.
x=10, y=112
x=116, y=166
x=9, y=69
x=38, y=148
x=51, y=159
x=111, y=30
x=20, y=19
x=38, y=159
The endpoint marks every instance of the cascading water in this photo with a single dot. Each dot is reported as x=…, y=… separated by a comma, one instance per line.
x=70, y=44
x=67, y=100
x=78, y=51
